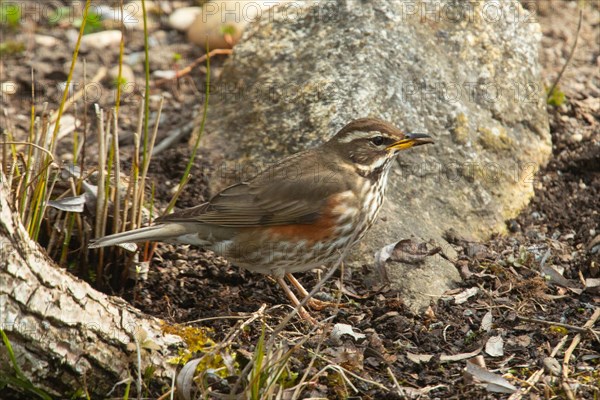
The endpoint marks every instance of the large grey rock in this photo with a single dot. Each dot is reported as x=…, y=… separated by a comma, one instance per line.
x=465, y=72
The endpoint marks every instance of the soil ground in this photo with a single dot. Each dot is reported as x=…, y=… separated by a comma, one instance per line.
x=560, y=229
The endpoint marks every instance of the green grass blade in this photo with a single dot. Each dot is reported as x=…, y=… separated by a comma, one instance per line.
x=185, y=178
x=147, y=83
x=70, y=76
x=20, y=381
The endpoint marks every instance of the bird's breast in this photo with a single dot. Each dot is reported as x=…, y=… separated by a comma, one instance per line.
x=372, y=193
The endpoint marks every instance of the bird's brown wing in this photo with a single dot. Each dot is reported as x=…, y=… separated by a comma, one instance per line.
x=288, y=193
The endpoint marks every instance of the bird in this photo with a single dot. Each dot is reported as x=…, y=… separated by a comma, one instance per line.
x=301, y=213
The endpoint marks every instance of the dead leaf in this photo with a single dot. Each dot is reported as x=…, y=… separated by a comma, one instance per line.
x=429, y=314
x=340, y=330
x=406, y=251
x=350, y=292
x=419, y=358
x=487, y=322
x=550, y=272
x=463, y=296
x=412, y=393
x=381, y=258
x=410, y=252
x=348, y=357
x=495, y=346
x=495, y=383
x=69, y=204
x=522, y=340
x=479, y=360
x=552, y=366
x=376, y=348
x=592, y=245
x=185, y=379
x=592, y=285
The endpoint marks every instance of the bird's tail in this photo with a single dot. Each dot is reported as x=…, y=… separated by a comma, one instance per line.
x=160, y=232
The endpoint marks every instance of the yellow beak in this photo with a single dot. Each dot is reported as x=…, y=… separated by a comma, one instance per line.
x=411, y=140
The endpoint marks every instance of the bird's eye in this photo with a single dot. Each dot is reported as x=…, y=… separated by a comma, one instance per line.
x=377, y=140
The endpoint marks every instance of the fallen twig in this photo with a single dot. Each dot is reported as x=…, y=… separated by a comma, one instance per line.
x=567, y=326
x=189, y=68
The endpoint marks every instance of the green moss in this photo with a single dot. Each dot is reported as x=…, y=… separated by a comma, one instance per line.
x=9, y=48
x=495, y=139
x=336, y=382
x=559, y=330
x=473, y=172
x=228, y=30
x=460, y=131
x=288, y=378
x=93, y=23
x=199, y=341
x=116, y=82
x=556, y=98
x=470, y=337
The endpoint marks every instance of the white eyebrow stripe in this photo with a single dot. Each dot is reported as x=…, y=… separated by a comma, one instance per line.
x=356, y=135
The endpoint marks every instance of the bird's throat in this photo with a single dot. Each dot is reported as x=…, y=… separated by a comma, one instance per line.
x=376, y=170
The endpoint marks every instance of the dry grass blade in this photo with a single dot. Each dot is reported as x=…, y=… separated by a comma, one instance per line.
x=96, y=79
x=132, y=189
x=117, y=168
x=343, y=371
x=536, y=376
x=568, y=61
x=101, y=194
x=146, y=165
x=567, y=357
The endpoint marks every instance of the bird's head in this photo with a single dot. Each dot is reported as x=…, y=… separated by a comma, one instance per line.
x=370, y=144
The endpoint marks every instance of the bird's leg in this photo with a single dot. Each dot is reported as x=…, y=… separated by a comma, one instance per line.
x=301, y=311
x=312, y=303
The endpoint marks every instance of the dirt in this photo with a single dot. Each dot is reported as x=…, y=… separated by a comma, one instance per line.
x=559, y=229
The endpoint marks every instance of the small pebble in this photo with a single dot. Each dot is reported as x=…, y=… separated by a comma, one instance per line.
x=135, y=58
x=324, y=297
x=160, y=74
x=513, y=225
x=101, y=40
x=126, y=73
x=577, y=137
x=46, y=41
x=183, y=18
x=8, y=87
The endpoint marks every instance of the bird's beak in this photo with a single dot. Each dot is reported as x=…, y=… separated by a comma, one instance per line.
x=410, y=140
